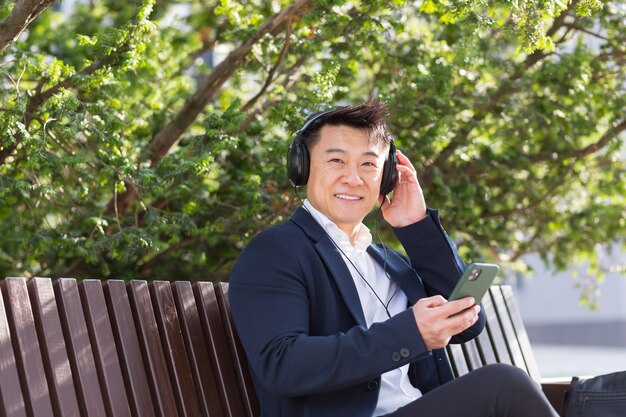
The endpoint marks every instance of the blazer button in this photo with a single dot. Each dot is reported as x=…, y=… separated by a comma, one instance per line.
x=372, y=385
x=405, y=353
x=395, y=356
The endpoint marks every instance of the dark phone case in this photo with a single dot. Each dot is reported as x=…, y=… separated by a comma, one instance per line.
x=477, y=288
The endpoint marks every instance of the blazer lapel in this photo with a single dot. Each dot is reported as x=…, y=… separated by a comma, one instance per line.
x=341, y=274
x=400, y=271
x=332, y=258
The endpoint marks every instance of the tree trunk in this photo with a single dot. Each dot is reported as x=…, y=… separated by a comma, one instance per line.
x=24, y=12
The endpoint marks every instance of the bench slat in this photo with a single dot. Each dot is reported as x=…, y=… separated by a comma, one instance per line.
x=79, y=348
x=457, y=360
x=520, y=332
x=174, y=349
x=26, y=342
x=472, y=355
x=239, y=356
x=131, y=360
x=498, y=342
x=197, y=350
x=485, y=348
x=107, y=361
x=507, y=329
x=11, y=397
x=54, y=352
x=221, y=357
x=158, y=375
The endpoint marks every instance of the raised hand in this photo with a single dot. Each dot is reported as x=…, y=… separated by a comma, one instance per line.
x=407, y=204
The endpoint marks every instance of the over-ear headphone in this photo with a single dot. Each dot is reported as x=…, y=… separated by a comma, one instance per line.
x=298, y=160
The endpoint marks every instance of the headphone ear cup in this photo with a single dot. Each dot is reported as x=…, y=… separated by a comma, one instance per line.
x=298, y=163
x=298, y=154
x=390, y=173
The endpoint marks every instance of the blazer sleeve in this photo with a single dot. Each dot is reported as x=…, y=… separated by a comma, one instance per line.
x=272, y=286
x=434, y=257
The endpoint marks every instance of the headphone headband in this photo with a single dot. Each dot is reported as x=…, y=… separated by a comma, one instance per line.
x=311, y=119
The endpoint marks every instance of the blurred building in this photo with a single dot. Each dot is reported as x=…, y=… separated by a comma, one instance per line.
x=567, y=337
x=553, y=313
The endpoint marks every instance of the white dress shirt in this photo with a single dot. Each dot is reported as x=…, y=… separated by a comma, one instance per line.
x=395, y=390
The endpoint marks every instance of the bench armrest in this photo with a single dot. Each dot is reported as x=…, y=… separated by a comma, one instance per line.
x=555, y=390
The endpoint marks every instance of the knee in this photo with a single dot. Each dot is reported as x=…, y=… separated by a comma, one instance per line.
x=512, y=377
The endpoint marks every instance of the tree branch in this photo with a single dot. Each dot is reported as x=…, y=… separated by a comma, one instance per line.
x=504, y=89
x=288, y=82
x=171, y=133
x=616, y=55
x=587, y=31
x=475, y=170
x=270, y=75
x=23, y=13
x=426, y=176
x=41, y=96
x=169, y=136
x=533, y=204
x=558, y=23
x=609, y=135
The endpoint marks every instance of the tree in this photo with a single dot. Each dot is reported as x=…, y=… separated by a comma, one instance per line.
x=125, y=153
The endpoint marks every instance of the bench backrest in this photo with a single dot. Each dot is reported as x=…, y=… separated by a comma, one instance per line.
x=504, y=340
x=114, y=348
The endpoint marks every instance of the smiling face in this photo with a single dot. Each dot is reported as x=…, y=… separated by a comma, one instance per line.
x=345, y=174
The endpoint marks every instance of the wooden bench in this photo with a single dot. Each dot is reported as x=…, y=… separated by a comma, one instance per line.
x=111, y=348
x=114, y=348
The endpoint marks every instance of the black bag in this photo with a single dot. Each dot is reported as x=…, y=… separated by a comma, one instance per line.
x=601, y=396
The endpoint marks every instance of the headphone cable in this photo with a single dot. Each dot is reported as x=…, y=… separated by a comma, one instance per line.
x=385, y=305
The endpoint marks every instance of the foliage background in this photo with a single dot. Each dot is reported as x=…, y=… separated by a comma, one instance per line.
x=148, y=140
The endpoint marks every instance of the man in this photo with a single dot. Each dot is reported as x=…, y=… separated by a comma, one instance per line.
x=335, y=326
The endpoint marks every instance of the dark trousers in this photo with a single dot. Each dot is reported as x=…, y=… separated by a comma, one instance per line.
x=491, y=391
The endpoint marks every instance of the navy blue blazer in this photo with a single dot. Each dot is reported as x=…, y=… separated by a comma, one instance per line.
x=299, y=318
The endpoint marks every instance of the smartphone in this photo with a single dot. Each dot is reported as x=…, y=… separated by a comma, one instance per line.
x=475, y=281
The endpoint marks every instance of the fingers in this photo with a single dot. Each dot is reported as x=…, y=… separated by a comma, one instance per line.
x=462, y=320
x=434, y=301
x=439, y=320
x=461, y=304
x=406, y=174
x=403, y=161
x=405, y=168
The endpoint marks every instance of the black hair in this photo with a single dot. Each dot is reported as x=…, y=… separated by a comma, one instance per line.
x=370, y=116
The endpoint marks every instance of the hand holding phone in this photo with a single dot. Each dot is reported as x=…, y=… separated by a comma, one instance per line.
x=475, y=281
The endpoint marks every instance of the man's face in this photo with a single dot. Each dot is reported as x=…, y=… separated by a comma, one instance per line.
x=345, y=175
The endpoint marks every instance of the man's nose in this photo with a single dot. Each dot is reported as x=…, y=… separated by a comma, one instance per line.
x=352, y=177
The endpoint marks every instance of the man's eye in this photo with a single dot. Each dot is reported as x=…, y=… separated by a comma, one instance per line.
x=369, y=164
x=336, y=161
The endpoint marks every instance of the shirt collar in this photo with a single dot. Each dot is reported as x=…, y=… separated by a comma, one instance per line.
x=361, y=242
